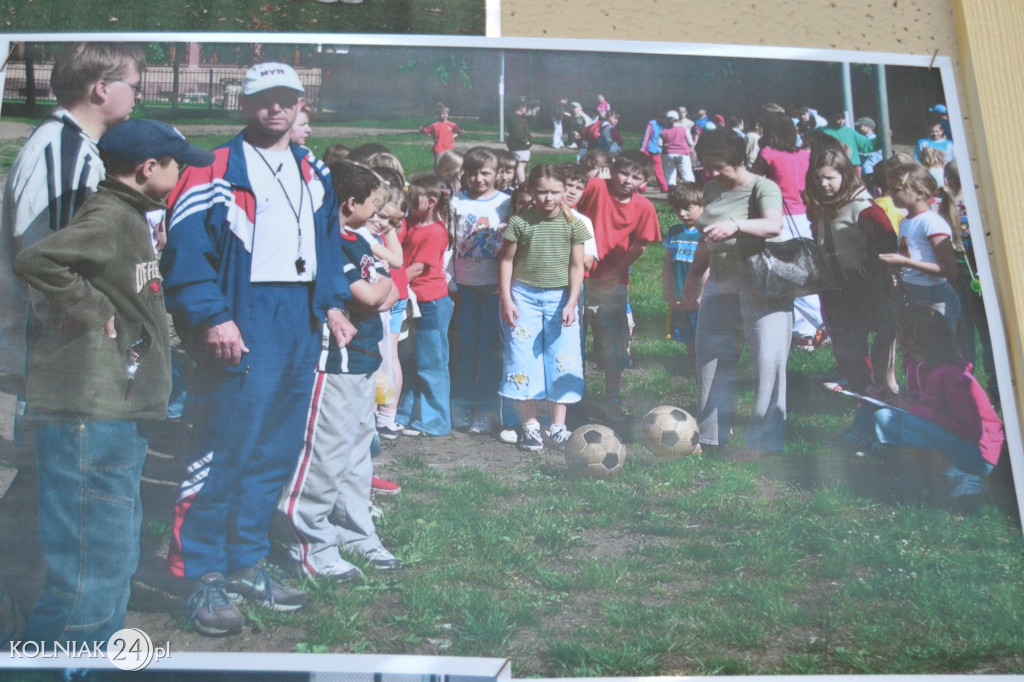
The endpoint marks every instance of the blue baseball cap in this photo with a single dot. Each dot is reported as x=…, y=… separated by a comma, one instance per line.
x=939, y=109
x=139, y=139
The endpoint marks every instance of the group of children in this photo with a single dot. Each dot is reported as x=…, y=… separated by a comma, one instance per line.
x=507, y=268
x=923, y=267
x=518, y=271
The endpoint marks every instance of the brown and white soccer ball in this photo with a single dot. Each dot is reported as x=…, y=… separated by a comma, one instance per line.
x=594, y=451
x=670, y=432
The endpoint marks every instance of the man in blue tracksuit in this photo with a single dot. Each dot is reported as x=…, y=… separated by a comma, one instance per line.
x=250, y=277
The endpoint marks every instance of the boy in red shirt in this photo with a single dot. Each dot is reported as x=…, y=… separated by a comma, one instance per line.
x=442, y=130
x=624, y=223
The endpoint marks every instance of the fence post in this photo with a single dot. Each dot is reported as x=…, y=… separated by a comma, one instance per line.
x=209, y=90
x=30, y=74
x=176, y=85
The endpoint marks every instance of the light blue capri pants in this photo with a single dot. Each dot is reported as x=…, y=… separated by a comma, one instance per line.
x=542, y=359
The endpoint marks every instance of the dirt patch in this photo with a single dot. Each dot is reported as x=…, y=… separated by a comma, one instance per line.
x=14, y=130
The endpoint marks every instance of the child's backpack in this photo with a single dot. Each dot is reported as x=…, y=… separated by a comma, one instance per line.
x=592, y=133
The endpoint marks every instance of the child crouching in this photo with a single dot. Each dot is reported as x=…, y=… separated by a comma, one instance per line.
x=946, y=409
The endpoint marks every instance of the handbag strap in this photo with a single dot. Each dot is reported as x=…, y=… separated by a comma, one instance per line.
x=788, y=220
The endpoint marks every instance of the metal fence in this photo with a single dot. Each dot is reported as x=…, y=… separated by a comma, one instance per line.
x=206, y=87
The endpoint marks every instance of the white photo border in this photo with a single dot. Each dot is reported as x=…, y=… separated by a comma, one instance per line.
x=437, y=665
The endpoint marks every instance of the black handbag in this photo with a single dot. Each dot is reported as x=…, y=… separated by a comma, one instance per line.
x=794, y=267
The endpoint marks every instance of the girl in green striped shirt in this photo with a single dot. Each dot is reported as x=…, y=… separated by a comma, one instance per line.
x=540, y=273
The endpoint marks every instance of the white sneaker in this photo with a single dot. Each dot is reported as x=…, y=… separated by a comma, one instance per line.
x=531, y=439
x=484, y=423
x=968, y=485
x=340, y=570
x=382, y=559
x=508, y=436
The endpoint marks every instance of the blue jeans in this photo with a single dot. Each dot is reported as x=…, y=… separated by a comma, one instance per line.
x=477, y=367
x=90, y=515
x=542, y=358
x=424, y=402
x=901, y=429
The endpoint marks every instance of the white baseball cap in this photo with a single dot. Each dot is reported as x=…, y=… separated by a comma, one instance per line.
x=271, y=75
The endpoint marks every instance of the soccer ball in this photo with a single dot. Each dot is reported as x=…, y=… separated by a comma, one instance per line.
x=594, y=451
x=669, y=432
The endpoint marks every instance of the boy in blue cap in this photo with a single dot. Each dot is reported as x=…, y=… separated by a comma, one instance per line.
x=101, y=365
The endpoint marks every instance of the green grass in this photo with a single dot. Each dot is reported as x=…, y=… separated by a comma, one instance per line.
x=374, y=16
x=685, y=567
x=709, y=575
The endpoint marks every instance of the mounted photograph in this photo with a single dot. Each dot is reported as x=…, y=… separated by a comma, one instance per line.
x=601, y=359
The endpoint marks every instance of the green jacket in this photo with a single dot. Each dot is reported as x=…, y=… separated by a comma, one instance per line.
x=101, y=265
x=518, y=133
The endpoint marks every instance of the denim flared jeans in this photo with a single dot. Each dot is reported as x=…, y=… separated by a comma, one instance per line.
x=477, y=367
x=424, y=355
x=901, y=429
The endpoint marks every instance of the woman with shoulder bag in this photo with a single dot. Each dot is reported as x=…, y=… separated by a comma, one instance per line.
x=741, y=210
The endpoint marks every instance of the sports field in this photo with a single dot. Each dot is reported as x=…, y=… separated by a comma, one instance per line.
x=816, y=561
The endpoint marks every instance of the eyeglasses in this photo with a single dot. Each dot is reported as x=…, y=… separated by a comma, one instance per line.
x=136, y=87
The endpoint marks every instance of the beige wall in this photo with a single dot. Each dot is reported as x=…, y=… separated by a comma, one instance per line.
x=917, y=26
x=991, y=45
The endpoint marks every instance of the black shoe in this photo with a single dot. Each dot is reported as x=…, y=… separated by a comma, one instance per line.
x=390, y=432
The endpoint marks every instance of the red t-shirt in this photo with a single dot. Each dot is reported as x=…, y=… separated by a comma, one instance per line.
x=789, y=171
x=617, y=225
x=426, y=244
x=444, y=133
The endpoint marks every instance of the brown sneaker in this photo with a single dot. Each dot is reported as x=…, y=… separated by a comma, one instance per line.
x=211, y=609
x=263, y=585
